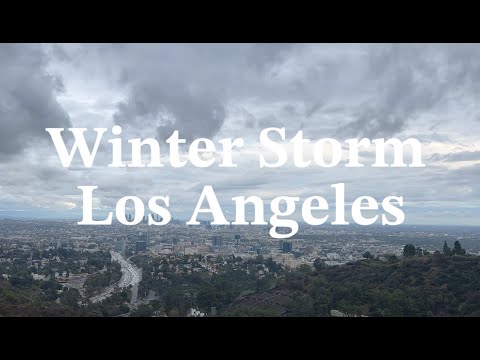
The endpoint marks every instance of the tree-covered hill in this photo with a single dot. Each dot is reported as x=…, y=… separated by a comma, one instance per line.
x=431, y=285
x=27, y=301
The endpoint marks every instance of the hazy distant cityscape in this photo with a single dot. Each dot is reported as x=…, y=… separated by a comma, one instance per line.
x=62, y=253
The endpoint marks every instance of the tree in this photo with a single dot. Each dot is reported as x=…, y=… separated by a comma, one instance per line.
x=368, y=255
x=172, y=299
x=391, y=257
x=457, y=249
x=301, y=305
x=305, y=269
x=318, y=264
x=71, y=297
x=143, y=310
x=409, y=250
x=206, y=297
x=446, y=249
x=322, y=296
x=262, y=284
x=419, y=251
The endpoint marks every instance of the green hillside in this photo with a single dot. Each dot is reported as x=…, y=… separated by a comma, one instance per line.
x=431, y=285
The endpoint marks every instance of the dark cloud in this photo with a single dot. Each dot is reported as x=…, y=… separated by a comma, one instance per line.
x=188, y=87
x=410, y=80
x=407, y=83
x=27, y=97
x=192, y=114
x=172, y=96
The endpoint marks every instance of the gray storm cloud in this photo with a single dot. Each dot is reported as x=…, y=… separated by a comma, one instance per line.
x=383, y=88
x=411, y=80
x=27, y=97
x=192, y=114
x=188, y=88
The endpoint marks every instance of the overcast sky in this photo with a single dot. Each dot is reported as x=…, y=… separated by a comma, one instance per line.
x=429, y=92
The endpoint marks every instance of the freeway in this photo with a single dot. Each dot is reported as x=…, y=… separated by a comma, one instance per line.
x=131, y=275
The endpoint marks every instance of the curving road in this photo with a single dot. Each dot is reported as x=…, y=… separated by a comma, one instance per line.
x=131, y=275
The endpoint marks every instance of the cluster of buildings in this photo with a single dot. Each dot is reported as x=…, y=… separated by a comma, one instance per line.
x=333, y=244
